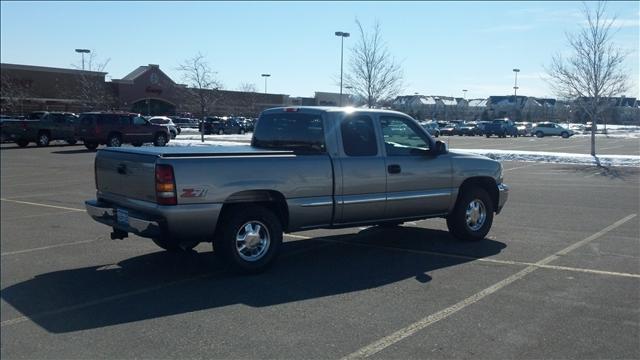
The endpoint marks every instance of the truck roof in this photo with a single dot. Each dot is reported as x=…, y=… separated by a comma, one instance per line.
x=327, y=109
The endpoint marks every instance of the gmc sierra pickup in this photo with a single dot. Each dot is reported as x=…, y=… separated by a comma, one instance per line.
x=307, y=167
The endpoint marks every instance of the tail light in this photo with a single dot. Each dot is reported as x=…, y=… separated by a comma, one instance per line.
x=165, y=185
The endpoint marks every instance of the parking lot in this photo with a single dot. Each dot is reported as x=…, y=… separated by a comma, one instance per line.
x=558, y=276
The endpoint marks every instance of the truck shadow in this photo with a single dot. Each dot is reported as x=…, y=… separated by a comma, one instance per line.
x=161, y=284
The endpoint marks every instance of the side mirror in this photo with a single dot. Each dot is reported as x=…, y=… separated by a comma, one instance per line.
x=441, y=148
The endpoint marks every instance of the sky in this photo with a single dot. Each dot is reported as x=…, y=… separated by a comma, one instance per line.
x=443, y=47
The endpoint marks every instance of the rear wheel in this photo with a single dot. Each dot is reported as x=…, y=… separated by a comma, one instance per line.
x=72, y=141
x=564, y=135
x=22, y=143
x=539, y=134
x=472, y=216
x=43, y=139
x=114, y=141
x=250, y=239
x=160, y=140
x=91, y=145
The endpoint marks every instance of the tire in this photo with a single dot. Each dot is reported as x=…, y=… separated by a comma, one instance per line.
x=22, y=143
x=220, y=132
x=72, y=141
x=241, y=131
x=43, y=139
x=91, y=145
x=160, y=140
x=173, y=134
x=173, y=246
x=475, y=226
x=243, y=221
x=539, y=134
x=565, y=135
x=487, y=135
x=114, y=140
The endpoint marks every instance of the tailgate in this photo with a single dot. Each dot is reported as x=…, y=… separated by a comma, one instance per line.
x=131, y=175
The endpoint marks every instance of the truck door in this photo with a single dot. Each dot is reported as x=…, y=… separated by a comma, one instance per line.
x=418, y=182
x=362, y=165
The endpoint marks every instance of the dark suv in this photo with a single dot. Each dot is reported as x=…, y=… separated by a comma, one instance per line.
x=115, y=129
x=220, y=126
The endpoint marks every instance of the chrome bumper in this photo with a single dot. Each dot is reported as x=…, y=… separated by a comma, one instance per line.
x=503, y=195
x=137, y=224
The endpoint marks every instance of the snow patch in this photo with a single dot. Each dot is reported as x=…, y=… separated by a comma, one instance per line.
x=556, y=157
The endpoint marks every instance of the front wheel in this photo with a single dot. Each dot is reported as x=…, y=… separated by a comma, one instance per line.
x=22, y=143
x=91, y=145
x=539, y=134
x=160, y=140
x=472, y=216
x=250, y=239
x=114, y=141
x=43, y=139
x=565, y=135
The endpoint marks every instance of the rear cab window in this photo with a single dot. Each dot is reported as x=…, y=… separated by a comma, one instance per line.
x=300, y=132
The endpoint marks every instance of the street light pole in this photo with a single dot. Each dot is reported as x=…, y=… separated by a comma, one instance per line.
x=265, y=76
x=83, y=51
x=342, y=35
x=515, y=85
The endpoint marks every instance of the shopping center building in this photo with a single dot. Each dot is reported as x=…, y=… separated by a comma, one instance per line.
x=146, y=90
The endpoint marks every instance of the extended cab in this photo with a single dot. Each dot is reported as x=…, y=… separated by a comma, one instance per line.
x=306, y=168
x=41, y=127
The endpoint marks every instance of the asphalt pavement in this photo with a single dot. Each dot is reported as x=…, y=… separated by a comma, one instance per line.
x=557, y=277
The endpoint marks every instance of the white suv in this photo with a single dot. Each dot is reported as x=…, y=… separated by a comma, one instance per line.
x=550, y=129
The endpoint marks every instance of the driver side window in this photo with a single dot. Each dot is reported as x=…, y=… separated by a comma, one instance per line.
x=402, y=137
x=138, y=120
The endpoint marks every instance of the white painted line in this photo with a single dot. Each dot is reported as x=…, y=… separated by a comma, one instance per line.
x=40, y=215
x=401, y=334
x=43, y=205
x=519, y=167
x=46, y=247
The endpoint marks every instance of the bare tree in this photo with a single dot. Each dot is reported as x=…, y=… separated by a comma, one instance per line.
x=92, y=91
x=248, y=87
x=13, y=92
x=203, y=84
x=373, y=74
x=594, y=72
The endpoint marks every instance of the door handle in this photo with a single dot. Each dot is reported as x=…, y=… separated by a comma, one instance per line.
x=394, y=169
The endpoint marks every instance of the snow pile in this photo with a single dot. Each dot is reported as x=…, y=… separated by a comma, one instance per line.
x=613, y=131
x=556, y=157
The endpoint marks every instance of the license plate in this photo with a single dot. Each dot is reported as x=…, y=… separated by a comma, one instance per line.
x=122, y=216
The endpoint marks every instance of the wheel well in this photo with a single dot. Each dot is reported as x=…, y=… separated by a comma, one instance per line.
x=269, y=199
x=486, y=183
x=114, y=133
x=159, y=133
x=48, y=132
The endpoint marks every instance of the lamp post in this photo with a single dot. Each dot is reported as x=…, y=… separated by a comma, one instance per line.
x=515, y=85
x=265, y=76
x=342, y=35
x=83, y=51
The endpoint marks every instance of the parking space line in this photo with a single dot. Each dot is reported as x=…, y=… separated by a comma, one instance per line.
x=43, y=205
x=46, y=247
x=403, y=333
x=40, y=215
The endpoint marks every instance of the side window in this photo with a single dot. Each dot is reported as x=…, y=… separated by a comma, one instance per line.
x=358, y=136
x=402, y=137
x=125, y=120
x=57, y=118
x=139, y=120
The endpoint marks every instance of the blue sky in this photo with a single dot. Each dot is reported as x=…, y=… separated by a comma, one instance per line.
x=443, y=47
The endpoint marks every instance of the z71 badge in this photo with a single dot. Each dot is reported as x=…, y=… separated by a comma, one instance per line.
x=194, y=192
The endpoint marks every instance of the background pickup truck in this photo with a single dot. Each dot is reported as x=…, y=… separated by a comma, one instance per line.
x=307, y=167
x=501, y=128
x=50, y=126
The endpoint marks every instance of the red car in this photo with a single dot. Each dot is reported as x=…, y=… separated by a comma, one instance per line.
x=115, y=129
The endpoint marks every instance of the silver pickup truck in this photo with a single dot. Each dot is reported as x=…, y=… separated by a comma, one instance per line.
x=306, y=168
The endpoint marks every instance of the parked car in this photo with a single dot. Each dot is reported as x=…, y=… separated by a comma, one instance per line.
x=243, y=198
x=431, y=127
x=524, y=128
x=501, y=128
x=114, y=129
x=166, y=121
x=185, y=123
x=42, y=128
x=220, y=126
x=451, y=128
x=551, y=129
x=468, y=129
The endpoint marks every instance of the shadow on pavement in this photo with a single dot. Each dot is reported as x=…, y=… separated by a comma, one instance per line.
x=78, y=151
x=10, y=146
x=162, y=284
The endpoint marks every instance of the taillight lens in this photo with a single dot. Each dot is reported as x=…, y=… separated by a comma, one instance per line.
x=165, y=185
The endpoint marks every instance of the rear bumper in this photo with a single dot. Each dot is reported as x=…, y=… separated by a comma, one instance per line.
x=137, y=223
x=503, y=195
